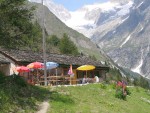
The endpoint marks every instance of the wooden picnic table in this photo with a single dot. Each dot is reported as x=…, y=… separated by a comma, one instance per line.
x=54, y=80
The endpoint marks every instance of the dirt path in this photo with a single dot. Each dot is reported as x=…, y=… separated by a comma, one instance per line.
x=43, y=107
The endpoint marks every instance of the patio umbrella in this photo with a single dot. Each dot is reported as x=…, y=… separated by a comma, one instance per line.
x=22, y=69
x=70, y=72
x=51, y=65
x=35, y=65
x=86, y=68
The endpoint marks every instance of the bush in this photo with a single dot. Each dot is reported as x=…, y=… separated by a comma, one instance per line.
x=19, y=81
x=2, y=78
x=16, y=80
x=120, y=94
x=128, y=91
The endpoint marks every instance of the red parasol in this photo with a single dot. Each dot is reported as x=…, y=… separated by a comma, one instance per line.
x=36, y=65
x=22, y=69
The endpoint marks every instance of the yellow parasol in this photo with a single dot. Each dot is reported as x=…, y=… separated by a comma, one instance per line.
x=86, y=67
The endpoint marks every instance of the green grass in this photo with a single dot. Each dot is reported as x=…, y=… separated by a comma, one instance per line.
x=95, y=98
x=16, y=96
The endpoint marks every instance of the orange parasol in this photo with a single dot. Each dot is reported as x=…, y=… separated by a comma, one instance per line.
x=35, y=65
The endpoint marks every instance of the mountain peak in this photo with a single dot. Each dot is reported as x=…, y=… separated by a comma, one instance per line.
x=57, y=9
x=120, y=1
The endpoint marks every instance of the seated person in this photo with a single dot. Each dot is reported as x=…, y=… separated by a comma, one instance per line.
x=84, y=80
x=96, y=79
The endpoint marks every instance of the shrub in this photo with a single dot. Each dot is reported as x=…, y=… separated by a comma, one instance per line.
x=120, y=94
x=16, y=80
x=128, y=91
x=2, y=78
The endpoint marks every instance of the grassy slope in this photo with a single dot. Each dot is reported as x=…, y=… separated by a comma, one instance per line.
x=18, y=97
x=94, y=99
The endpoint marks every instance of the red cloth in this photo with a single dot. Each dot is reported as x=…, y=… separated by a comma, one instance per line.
x=119, y=83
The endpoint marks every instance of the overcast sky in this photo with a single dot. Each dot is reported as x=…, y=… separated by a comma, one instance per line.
x=72, y=5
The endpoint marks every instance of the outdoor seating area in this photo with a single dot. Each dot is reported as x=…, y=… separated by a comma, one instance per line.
x=55, y=80
x=33, y=73
x=60, y=69
x=62, y=80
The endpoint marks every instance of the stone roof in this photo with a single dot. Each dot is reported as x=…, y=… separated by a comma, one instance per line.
x=3, y=60
x=30, y=56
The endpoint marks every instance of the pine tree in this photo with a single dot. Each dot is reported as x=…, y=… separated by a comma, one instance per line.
x=53, y=40
x=67, y=46
x=16, y=29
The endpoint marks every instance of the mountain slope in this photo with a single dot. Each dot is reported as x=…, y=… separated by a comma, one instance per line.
x=120, y=28
x=57, y=9
x=101, y=33
x=127, y=41
x=54, y=26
